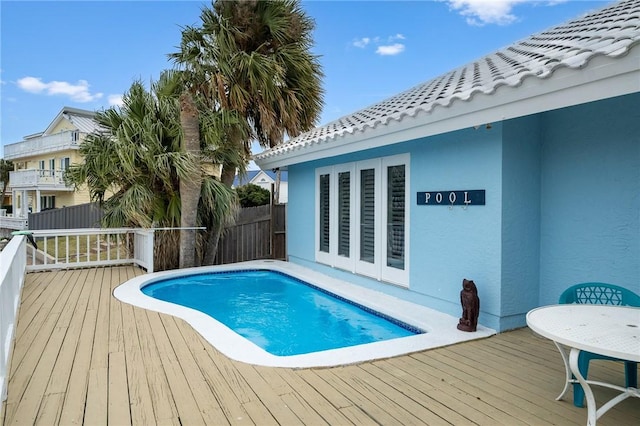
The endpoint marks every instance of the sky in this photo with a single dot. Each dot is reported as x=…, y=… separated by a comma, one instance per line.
x=86, y=54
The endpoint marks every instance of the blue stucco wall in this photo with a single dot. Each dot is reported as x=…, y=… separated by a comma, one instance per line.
x=449, y=244
x=562, y=207
x=446, y=245
x=590, y=200
x=520, y=220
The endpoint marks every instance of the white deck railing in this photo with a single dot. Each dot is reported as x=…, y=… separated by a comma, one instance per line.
x=80, y=248
x=13, y=260
x=58, y=249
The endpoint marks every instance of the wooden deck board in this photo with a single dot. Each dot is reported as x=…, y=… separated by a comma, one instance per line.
x=523, y=395
x=82, y=357
x=186, y=405
x=161, y=398
x=229, y=403
x=62, y=370
x=202, y=393
x=140, y=396
x=97, y=397
x=118, y=409
x=416, y=406
x=312, y=397
x=447, y=393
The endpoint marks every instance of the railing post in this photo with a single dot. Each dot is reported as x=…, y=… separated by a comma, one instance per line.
x=149, y=249
x=12, y=272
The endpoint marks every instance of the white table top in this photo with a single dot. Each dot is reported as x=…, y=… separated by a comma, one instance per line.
x=603, y=329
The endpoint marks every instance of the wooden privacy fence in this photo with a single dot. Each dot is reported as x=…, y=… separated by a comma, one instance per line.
x=74, y=217
x=259, y=233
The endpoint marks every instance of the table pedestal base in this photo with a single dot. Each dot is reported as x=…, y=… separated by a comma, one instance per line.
x=593, y=413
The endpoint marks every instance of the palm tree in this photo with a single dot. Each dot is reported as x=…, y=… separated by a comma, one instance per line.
x=251, y=59
x=189, y=185
x=254, y=57
x=6, y=166
x=208, y=133
x=274, y=79
x=265, y=68
x=135, y=166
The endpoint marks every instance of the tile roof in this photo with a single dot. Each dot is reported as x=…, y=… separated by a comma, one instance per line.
x=611, y=31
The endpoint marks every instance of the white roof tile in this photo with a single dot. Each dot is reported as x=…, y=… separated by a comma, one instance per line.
x=611, y=31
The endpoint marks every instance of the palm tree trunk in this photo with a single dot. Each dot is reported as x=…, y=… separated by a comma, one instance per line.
x=276, y=191
x=228, y=174
x=211, y=246
x=189, y=187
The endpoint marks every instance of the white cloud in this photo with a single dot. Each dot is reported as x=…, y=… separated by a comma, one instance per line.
x=385, y=46
x=115, y=100
x=393, y=49
x=78, y=92
x=362, y=43
x=481, y=12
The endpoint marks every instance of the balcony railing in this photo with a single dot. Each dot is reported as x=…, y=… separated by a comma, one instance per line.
x=38, y=179
x=15, y=223
x=45, y=144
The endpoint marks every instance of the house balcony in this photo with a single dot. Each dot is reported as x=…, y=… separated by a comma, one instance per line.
x=38, y=179
x=42, y=145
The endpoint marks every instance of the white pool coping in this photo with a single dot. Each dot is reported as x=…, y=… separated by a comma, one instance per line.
x=440, y=328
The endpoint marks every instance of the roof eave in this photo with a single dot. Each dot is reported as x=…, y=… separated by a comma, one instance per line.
x=61, y=116
x=602, y=77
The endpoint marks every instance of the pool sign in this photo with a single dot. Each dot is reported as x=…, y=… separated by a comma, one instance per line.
x=452, y=198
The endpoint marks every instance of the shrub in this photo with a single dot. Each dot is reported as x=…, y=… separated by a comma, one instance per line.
x=251, y=195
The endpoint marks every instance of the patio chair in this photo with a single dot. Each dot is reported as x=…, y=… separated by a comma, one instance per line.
x=603, y=294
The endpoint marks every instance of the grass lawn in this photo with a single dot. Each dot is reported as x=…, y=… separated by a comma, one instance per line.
x=84, y=247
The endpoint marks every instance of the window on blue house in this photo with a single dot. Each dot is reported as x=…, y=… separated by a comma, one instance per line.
x=368, y=215
x=325, y=206
x=344, y=214
x=362, y=217
x=395, y=216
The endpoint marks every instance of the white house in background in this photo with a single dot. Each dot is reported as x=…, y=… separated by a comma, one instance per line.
x=265, y=179
x=41, y=159
x=520, y=171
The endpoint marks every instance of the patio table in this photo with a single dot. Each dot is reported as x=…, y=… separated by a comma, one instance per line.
x=603, y=329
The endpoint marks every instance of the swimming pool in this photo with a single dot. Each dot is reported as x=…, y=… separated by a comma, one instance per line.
x=440, y=329
x=279, y=313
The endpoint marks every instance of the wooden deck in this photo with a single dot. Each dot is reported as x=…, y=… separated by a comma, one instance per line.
x=81, y=356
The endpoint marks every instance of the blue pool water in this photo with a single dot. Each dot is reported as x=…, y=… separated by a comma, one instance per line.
x=281, y=314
